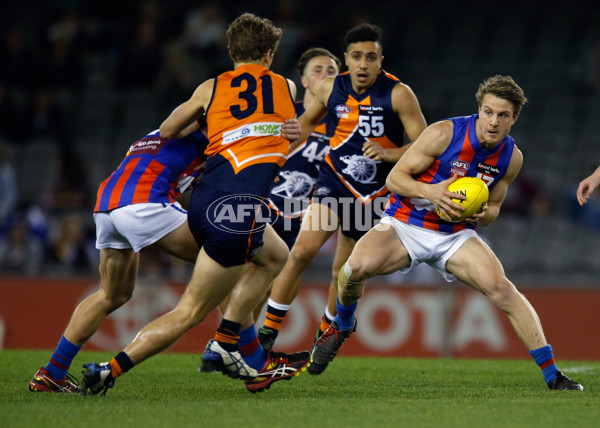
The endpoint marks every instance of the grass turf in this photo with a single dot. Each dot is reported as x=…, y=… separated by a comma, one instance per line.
x=167, y=391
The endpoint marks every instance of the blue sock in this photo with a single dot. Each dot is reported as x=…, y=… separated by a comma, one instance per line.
x=545, y=359
x=252, y=353
x=61, y=359
x=345, y=315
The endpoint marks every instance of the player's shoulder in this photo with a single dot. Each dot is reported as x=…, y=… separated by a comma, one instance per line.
x=517, y=155
x=442, y=128
x=205, y=89
x=402, y=94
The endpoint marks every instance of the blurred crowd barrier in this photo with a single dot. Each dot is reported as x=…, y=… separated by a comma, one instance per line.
x=425, y=321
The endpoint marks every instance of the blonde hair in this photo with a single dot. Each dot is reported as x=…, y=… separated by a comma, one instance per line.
x=502, y=87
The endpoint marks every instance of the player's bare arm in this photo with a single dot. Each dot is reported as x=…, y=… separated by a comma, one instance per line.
x=185, y=114
x=498, y=193
x=587, y=187
x=315, y=112
x=431, y=143
x=407, y=107
x=291, y=129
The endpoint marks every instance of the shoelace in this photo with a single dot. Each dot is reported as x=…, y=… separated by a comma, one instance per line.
x=70, y=378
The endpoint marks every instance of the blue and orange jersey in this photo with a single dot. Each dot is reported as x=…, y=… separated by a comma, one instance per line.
x=357, y=119
x=464, y=157
x=290, y=196
x=246, y=112
x=155, y=169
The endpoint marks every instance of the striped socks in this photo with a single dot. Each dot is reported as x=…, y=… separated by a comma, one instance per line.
x=275, y=315
x=228, y=335
x=345, y=315
x=61, y=359
x=544, y=357
x=252, y=353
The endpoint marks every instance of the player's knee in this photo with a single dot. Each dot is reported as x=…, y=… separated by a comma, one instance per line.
x=117, y=298
x=356, y=269
x=303, y=252
x=281, y=257
x=188, y=314
x=503, y=294
x=277, y=258
x=352, y=282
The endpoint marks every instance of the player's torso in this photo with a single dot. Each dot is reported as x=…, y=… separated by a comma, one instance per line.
x=463, y=157
x=245, y=115
x=155, y=169
x=296, y=179
x=359, y=118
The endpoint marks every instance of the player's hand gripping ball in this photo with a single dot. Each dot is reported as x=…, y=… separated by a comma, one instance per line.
x=476, y=193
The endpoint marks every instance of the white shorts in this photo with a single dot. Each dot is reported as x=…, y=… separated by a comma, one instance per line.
x=137, y=226
x=429, y=246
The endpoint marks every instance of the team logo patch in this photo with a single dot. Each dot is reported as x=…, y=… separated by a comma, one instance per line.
x=460, y=167
x=360, y=168
x=322, y=191
x=342, y=111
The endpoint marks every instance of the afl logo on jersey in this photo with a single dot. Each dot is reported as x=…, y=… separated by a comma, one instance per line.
x=460, y=167
x=342, y=110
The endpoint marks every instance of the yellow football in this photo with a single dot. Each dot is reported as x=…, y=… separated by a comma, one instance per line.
x=476, y=193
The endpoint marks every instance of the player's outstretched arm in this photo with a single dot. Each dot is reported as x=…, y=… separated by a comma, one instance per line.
x=177, y=125
x=587, y=187
x=315, y=112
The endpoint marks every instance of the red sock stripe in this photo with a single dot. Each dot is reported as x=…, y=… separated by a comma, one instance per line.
x=250, y=348
x=547, y=363
x=57, y=364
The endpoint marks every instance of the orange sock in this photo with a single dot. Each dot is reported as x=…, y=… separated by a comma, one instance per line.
x=226, y=337
x=273, y=321
x=324, y=324
x=115, y=369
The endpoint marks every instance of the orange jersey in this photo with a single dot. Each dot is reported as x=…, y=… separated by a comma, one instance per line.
x=247, y=110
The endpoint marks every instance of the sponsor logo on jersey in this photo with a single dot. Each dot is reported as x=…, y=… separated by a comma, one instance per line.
x=460, y=167
x=370, y=108
x=261, y=129
x=492, y=170
x=146, y=146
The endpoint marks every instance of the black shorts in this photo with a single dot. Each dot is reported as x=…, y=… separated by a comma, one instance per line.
x=356, y=218
x=228, y=226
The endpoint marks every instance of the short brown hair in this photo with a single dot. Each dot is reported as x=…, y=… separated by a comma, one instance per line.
x=502, y=87
x=313, y=53
x=250, y=37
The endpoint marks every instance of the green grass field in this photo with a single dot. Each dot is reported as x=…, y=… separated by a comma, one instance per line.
x=167, y=391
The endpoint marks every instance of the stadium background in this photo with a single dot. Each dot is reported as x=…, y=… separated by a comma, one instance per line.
x=81, y=80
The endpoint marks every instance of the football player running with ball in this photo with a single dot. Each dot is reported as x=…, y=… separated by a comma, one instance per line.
x=411, y=232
